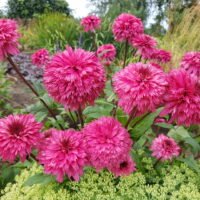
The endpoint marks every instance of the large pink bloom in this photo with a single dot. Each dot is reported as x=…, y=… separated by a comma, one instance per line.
x=182, y=100
x=145, y=44
x=107, y=142
x=74, y=78
x=63, y=153
x=191, y=63
x=140, y=88
x=19, y=134
x=8, y=38
x=161, y=56
x=106, y=53
x=40, y=58
x=91, y=23
x=124, y=167
x=164, y=148
x=126, y=27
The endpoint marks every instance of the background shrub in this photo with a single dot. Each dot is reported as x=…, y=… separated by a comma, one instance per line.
x=52, y=31
x=25, y=9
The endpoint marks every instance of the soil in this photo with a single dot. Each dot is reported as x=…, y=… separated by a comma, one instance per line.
x=20, y=93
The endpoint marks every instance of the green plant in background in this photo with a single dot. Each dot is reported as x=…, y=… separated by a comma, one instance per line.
x=185, y=36
x=25, y=9
x=175, y=182
x=52, y=31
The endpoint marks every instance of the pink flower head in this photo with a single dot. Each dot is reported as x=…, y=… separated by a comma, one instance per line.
x=19, y=134
x=74, y=78
x=182, y=100
x=106, y=54
x=126, y=27
x=106, y=142
x=40, y=58
x=191, y=63
x=161, y=55
x=63, y=154
x=144, y=44
x=8, y=38
x=91, y=23
x=164, y=148
x=140, y=88
x=124, y=167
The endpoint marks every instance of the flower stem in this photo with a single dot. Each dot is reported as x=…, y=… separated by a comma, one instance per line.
x=15, y=67
x=80, y=114
x=73, y=120
x=125, y=53
x=132, y=115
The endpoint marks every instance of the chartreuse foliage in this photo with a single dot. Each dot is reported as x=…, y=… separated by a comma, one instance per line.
x=174, y=182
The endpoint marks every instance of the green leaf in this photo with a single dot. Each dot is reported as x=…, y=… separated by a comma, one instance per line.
x=39, y=179
x=142, y=126
x=182, y=135
x=191, y=162
x=164, y=125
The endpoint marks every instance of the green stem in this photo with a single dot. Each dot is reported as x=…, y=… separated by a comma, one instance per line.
x=125, y=53
x=80, y=114
x=132, y=115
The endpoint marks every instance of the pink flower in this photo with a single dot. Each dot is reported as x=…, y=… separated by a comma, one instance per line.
x=74, y=78
x=91, y=23
x=106, y=142
x=160, y=55
x=126, y=27
x=164, y=148
x=124, y=167
x=182, y=100
x=191, y=63
x=8, y=38
x=140, y=88
x=63, y=154
x=40, y=58
x=106, y=54
x=19, y=134
x=156, y=65
x=145, y=44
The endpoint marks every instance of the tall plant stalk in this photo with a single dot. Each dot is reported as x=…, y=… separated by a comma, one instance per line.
x=15, y=67
x=125, y=53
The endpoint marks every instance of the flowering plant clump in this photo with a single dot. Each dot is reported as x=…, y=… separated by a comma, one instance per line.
x=104, y=123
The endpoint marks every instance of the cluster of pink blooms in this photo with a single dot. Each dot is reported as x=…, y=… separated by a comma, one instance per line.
x=91, y=23
x=8, y=38
x=164, y=148
x=108, y=145
x=191, y=63
x=127, y=27
x=40, y=58
x=106, y=54
x=103, y=143
x=140, y=87
x=74, y=78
